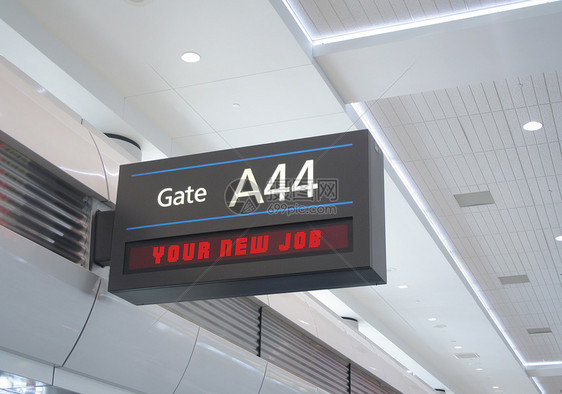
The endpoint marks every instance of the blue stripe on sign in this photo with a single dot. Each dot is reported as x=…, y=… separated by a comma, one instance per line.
x=239, y=160
x=240, y=215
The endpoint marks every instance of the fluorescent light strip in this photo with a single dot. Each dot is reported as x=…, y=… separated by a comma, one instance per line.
x=543, y=391
x=298, y=20
x=543, y=363
x=417, y=24
x=364, y=113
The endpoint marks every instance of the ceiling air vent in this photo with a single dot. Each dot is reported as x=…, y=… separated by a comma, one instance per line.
x=513, y=279
x=543, y=330
x=464, y=356
x=474, y=199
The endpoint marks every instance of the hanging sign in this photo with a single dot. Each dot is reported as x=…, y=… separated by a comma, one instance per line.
x=289, y=216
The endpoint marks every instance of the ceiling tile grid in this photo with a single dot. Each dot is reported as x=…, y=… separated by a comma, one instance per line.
x=172, y=114
x=256, y=99
x=470, y=139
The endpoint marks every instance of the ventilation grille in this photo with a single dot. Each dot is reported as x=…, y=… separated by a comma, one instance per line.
x=474, y=199
x=362, y=383
x=513, y=279
x=264, y=333
x=542, y=330
x=295, y=352
x=463, y=356
x=234, y=319
x=41, y=207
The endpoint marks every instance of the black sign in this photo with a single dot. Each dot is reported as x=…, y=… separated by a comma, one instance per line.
x=288, y=216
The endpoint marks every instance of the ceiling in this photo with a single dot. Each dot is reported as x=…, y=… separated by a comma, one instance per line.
x=447, y=100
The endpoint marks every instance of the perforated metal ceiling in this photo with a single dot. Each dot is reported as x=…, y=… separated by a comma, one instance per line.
x=330, y=18
x=470, y=139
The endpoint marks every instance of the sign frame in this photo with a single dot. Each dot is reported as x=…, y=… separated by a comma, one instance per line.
x=191, y=195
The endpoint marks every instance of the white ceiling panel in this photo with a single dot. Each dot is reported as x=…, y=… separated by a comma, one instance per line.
x=423, y=107
x=123, y=38
x=262, y=98
x=552, y=86
x=171, y=113
x=415, y=9
x=400, y=109
x=294, y=129
x=198, y=144
x=412, y=111
x=390, y=113
x=416, y=141
x=411, y=149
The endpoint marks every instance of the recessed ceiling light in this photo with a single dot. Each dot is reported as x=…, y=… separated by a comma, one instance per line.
x=479, y=369
x=432, y=318
x=190, y=57
x=458, y=347
x=403, y=286
x=236, y=105
x=559, y=238
x=532, y=126
x=495, y=387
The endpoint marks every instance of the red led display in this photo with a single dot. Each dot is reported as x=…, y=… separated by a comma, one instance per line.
x=239, y=246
